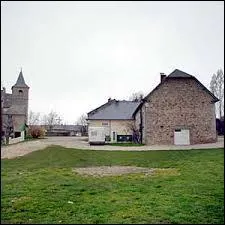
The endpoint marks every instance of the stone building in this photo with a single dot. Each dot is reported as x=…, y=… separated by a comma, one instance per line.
x=180, y=111
x=14, y=108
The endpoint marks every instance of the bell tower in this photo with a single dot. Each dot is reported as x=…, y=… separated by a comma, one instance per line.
x=20, y=95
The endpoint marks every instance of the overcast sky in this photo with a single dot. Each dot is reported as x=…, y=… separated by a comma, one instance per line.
x=75, y=55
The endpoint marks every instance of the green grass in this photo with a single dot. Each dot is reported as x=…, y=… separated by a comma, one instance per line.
x=125, y=144
x=36, y=188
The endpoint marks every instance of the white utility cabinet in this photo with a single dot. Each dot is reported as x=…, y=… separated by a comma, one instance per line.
x=96, y=135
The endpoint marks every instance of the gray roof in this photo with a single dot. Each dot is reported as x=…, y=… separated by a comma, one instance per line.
x=178, y=73
x=67, y=127
x=114, y=110
x=20, y=81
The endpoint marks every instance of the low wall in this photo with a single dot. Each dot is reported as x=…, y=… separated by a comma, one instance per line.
x=18, y=139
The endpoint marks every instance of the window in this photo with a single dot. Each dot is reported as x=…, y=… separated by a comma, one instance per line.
x=105, y=124
x=177, y=130
x=124, y=138
x=107, y=138
x=114, y=136
x=17, y=134
x=20, y=91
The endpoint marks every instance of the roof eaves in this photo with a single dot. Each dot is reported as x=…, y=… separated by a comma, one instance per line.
x=139, y=106
x=105, y=104
x=215, y=99
x=164, y=80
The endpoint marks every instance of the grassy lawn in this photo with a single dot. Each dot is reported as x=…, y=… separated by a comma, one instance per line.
x=42, y=188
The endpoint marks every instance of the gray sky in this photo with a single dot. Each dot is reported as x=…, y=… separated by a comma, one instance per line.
x=75, y=55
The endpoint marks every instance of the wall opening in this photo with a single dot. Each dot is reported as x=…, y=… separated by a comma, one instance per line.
x=17, y=134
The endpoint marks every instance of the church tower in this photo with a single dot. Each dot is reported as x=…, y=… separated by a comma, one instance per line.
x=20, y=95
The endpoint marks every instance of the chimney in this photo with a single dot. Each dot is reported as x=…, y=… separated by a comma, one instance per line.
x=162, y=77
x=109, y=99
x=4, y=89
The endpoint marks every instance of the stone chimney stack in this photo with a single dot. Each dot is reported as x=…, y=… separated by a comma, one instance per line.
x=162, y=77
x=109, y=99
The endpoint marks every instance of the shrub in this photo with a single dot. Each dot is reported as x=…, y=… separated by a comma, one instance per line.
x=36, y=131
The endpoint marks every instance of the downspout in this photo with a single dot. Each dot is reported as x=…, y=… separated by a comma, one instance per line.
x=110, y=130
x=141, y=125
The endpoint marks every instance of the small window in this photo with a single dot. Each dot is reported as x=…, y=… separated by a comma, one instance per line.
x=17, y=134
x=177, y=130
x=105, y=124
x=161, y=126
x=107, y=138
x=114, y=136
x=20, y=91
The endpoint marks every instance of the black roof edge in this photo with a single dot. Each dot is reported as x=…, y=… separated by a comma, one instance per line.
x=105, y=104
x=139, y=106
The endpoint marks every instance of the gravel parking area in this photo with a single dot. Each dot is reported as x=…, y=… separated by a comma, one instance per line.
x=24, y=148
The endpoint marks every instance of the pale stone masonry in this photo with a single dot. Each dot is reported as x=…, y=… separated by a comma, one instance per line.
x=180, y=101
x=116, y=117
x=122, y=127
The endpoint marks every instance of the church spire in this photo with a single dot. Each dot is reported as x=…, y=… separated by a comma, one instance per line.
x=20, y=80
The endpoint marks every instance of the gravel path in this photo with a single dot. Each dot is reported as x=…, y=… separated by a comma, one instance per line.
x=24, y=148
x=112, y=170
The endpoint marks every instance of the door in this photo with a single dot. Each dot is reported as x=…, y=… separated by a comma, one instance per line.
x=181, y=137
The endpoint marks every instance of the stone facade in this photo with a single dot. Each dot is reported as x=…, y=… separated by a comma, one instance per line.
x=14, y=108
x=179, y=103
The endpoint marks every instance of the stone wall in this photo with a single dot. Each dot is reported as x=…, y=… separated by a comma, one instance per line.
x=20, y=98
x=18, y=121
x=179, y=103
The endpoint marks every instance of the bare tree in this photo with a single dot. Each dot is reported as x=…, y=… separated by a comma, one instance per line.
x=8, y=127
x=51, y=119
x=33, y=118
x=135, y=133
x=217, y=88
x=82, y=120
x=136, y=96
x=44, y=120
